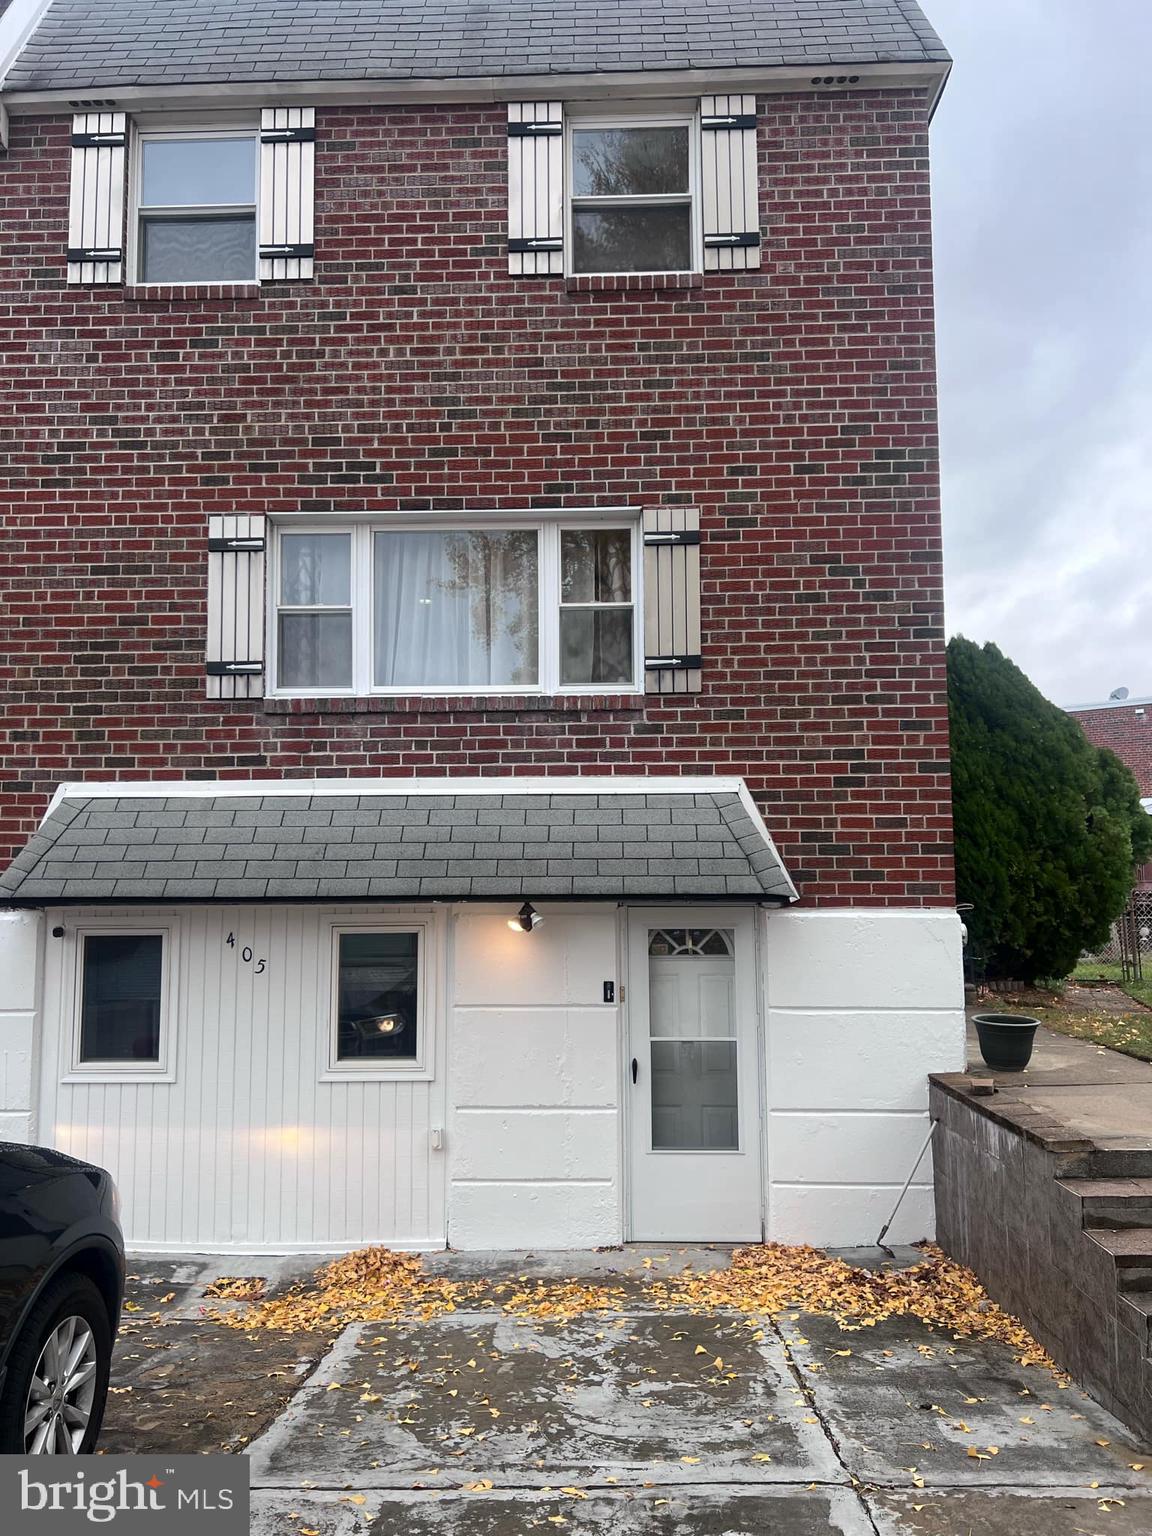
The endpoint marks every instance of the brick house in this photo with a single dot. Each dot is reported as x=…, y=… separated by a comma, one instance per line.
x=476, y=763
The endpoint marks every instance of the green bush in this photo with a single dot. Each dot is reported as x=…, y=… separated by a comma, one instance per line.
x=1048, y=827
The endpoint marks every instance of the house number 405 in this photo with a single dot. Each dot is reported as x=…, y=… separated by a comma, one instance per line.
x=245, y=953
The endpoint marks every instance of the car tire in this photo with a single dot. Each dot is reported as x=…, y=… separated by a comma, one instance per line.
x=72, y=1298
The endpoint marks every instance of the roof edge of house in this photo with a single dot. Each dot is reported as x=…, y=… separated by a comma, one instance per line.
x=401, y=784
x=1080, y=709
x=775, y=79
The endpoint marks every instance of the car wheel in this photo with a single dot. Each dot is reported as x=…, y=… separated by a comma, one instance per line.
x=56, y=1384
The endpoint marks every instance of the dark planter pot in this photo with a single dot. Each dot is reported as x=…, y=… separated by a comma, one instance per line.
x=1006, y=1040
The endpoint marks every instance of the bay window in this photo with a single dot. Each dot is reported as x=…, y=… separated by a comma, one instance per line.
x=523, y=607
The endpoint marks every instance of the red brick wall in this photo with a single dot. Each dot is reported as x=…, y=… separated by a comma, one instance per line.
x=795, y=406
x=1127, y=731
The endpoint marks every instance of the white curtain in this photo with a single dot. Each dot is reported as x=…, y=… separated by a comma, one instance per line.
x=456, y=609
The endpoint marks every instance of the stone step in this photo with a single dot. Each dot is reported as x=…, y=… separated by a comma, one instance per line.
x=1114, y=1163
x=1136, y=1307
x=1130, y=1248
x=1113, y=1203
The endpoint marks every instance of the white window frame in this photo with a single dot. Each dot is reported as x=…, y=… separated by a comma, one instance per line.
x=549, y=528
x=422, y=1066
x=688, y=118
x=134, y=253
x=163, y=1070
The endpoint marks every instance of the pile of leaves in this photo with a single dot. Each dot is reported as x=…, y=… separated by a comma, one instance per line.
x=767, y=1279
x=771, y=1278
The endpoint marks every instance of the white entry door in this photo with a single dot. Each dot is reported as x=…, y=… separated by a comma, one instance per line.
x=692, y=1078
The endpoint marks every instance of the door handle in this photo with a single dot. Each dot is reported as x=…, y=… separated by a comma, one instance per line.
x=635, y=1068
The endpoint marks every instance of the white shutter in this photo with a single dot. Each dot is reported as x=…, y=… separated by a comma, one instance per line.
x=731, y=183
x=672, y=600
x=96, y=202
x=287, y=196
x=535, y=188
x=234, y=651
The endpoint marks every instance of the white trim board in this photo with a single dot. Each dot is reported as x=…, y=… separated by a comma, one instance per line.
x=491, y=784
x=602, y=86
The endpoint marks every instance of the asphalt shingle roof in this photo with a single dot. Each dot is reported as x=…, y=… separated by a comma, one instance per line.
x=98, y=44
x=285, y=847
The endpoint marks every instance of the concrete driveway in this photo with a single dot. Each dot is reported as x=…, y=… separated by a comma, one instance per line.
x=637, y=1420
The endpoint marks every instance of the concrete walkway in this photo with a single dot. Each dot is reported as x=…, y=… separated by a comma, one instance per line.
x=669, y=1424
x=1094, y=1093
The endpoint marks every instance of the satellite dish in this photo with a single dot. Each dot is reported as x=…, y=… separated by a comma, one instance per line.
x=1118, y=693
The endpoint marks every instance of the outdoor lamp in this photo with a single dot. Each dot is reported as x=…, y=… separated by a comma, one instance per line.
x=526, y=919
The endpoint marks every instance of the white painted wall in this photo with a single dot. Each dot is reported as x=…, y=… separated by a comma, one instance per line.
x=250, y=1148
x=860, y=1006
x=20, y=938
x=534, y=1074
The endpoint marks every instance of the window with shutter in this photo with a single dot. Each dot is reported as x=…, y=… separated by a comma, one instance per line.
x=287, y=196
x=96, y=202
x=234, y=652
x=731, y=183
x=672, y=661
x=535, y=188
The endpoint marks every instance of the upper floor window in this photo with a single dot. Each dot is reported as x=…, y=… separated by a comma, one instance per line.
x=633, y=195
x=522, y=608
x=196, y=199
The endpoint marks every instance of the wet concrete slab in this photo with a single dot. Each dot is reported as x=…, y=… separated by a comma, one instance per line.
x=960, y=1412
x=189, y=1387
x=1000, y=1513
x=650, y=1511
x=654, y=1396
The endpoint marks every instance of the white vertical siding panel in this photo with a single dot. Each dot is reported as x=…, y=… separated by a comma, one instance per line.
x=248, y=1148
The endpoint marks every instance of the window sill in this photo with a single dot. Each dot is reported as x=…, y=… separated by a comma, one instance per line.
x=79, y=1075
x=183, y=293
x=413, y=1074
x=628, y=282
x=456, y=703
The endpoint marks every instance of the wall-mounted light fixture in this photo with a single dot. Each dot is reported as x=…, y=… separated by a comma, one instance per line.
x=526, y=919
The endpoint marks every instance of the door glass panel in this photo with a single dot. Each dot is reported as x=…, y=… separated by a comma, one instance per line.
x=694, y=1096
x=692, y=1022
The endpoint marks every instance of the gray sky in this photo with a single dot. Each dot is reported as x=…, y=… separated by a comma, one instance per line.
x=1042, y=154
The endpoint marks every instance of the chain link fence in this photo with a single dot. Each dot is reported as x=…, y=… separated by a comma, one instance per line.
x=1130, y=940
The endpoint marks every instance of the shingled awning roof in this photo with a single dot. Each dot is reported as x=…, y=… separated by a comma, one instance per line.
x=397, y=840
x=97, y=44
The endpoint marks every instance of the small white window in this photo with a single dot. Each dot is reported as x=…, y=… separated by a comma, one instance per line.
x=122, y=1003
x=632, y=196
x=195, y=207
x=381, y=1000
x=524, y=608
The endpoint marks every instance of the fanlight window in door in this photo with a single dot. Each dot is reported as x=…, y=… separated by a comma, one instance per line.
x=693, y=1029
x=690, y=941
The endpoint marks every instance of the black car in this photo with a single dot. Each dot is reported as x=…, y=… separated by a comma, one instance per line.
x=61, y=1288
